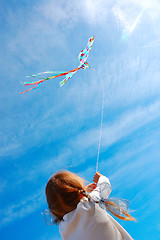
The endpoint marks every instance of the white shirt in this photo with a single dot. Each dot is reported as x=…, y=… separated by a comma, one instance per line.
x=90, y=222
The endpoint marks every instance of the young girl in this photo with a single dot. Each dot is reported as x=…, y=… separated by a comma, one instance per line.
x=83, y=216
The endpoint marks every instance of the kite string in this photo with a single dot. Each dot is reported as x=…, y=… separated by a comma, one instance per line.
x=100, y=133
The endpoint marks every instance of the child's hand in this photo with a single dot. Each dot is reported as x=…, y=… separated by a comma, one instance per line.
x=90, y=187
x=96, y=177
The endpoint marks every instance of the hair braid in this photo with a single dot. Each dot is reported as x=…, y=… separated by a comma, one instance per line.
x=83, y=192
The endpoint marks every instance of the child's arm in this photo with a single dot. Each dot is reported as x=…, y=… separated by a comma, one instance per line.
x=103, y=187
x=99, y=179
x=96, y=177
x=90, y=187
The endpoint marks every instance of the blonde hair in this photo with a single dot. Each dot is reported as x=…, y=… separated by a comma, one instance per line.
x=64, y=191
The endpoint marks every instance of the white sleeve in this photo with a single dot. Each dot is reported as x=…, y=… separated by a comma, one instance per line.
x=103, y=189
x=103, y=179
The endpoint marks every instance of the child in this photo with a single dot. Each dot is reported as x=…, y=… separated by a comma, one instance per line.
x=79, y=214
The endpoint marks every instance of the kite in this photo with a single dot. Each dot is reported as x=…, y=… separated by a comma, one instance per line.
x=83, y=55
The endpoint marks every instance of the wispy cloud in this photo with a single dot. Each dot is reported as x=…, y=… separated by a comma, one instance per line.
x=74, y=151
x=121, y=128
x=48, y=166
x=127, y=25
x=22, y=208
x=6, y=150
x=152, y=44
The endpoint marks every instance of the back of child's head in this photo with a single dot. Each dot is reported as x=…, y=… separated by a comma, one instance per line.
x=63, y=193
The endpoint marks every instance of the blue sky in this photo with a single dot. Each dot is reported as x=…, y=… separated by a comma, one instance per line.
x=56, y=128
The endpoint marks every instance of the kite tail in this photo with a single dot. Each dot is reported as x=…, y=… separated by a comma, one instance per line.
x=33, y=83
x=63, y=82
x=33, y=88
x=47, y=72
x=69, y=73
x=68, y=76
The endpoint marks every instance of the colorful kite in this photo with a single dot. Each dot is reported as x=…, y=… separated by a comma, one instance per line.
x=83, y=64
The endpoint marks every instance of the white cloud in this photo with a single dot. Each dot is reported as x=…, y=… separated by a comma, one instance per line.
x=59, y=13
x=129, y=12
x=155, y=43
x=84, y=146
x=48, y=166
x=152, y=7
x=6, y=150
x=122, y=127
x=130, y=22
x=95, y=12
x=22, y=208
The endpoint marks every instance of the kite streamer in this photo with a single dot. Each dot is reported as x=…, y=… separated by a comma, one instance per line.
x=83, y=55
